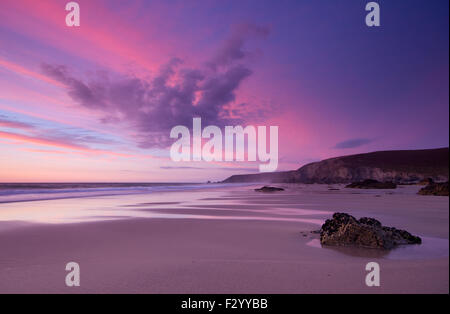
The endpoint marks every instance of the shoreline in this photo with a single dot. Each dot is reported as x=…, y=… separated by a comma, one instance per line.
x=217, y=251
x=59, y=193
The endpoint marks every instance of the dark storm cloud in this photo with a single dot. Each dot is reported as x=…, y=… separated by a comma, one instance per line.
x=172, y=97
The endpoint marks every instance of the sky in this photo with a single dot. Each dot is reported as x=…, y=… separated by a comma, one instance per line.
x=96, y=103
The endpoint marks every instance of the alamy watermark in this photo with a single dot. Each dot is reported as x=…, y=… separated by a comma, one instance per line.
x=73, y=277
x=373, y=277
x=372, y=18
x=73, y=17
x=226, y=146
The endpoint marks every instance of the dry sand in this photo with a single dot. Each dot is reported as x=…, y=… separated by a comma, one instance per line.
x=230, y=240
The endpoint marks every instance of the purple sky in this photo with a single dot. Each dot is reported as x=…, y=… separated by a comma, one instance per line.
x=97, y=102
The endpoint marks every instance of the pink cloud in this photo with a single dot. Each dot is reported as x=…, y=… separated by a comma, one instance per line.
x=15, y=124
x=23, y=71
x=95, y=39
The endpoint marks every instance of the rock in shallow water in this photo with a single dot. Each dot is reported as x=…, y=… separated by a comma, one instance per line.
x=269, y=189
x=346, y=230
x=372, y=184
x=437, y=189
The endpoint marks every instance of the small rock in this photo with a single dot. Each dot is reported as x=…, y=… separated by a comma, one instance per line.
x=372, y=184
x=269, y=189
x=426, y=181
x=437, y=189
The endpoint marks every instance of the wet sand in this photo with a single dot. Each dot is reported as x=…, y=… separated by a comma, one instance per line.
x=230, y=240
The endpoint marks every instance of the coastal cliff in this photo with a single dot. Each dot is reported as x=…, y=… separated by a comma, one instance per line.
x=401, y=166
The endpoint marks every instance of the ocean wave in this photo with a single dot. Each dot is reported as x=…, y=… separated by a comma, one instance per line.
x=42, y=191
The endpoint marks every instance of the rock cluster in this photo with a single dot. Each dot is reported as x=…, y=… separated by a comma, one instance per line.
x=346, y=230
x=438, y=189
x=372, y=184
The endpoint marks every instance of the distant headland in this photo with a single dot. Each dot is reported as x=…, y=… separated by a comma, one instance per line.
x=400, y=166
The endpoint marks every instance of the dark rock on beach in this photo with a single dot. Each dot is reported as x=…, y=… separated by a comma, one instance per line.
x=437, y=189
x=346, y=230
x=269, y=189
x=372, y=184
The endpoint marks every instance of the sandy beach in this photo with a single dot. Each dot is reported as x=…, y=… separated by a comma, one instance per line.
x=219, y=240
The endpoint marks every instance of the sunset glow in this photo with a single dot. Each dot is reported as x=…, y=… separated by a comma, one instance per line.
x=96, y=103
